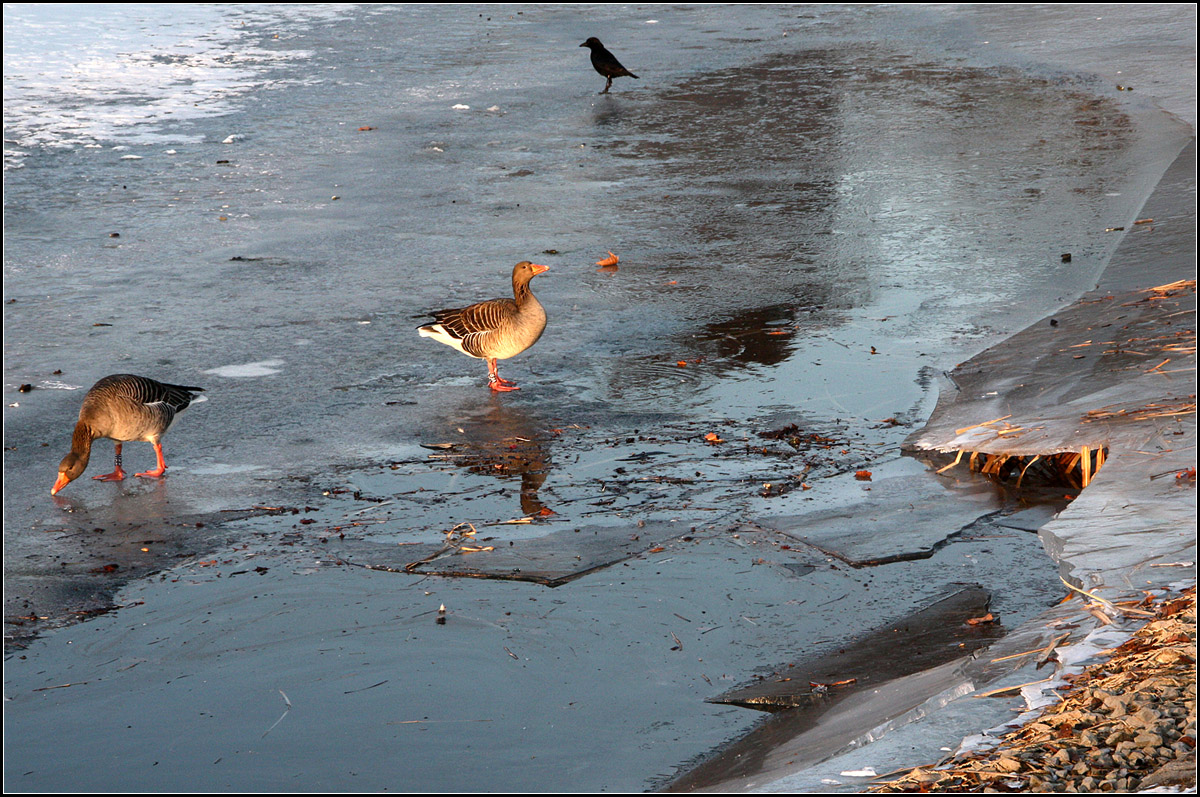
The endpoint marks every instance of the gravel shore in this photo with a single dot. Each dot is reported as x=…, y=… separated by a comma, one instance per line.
x=1126, y=724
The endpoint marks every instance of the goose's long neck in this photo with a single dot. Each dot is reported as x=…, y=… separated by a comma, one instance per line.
x=81, y=441
x=521, y=292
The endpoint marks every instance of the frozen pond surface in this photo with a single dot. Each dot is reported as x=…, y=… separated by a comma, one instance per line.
x=811, y=226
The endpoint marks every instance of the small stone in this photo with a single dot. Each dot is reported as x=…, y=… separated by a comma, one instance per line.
x=1145, y=739
x=1007, y=764
x=1116, y=737
x=1118, y=705
x=1146, y=716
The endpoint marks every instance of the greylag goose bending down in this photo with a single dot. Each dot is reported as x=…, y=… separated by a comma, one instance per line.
x=496, y=329
x=123, y=407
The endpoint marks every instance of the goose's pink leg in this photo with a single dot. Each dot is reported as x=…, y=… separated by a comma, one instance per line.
x=117, y=474
x=494, y=380
x=162, y=465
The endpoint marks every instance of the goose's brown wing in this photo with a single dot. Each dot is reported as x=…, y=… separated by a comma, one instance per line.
x=474, y=324
x=142, y=390
x=131, y=407
x=481, y=317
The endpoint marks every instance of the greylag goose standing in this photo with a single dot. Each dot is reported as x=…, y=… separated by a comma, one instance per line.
x=123, y=407
x=496, y=329
x=606, y=63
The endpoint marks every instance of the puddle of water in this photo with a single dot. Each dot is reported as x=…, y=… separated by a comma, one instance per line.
x=224, y=469
x=245, y=370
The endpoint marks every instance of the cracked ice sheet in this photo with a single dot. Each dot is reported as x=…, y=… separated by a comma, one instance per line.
x=905, y=510
x=552, y=560
x=1093, y=379
x=1123, y=523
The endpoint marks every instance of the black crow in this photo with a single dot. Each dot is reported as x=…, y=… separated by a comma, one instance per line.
x=606, y=63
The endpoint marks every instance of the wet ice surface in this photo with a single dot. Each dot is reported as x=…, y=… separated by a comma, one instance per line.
x=814, y=226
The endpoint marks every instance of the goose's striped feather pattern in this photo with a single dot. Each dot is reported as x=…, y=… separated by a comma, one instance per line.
x=474, y=325
x=142, y=390
x=130, y=407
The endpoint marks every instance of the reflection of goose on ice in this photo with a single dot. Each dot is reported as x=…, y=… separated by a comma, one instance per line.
x=503, y=442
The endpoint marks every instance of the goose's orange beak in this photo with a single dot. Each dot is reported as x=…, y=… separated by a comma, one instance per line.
x=62, y=482
x=538, y=269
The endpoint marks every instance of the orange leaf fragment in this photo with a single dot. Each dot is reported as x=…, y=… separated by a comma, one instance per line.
x=365, y=127
x=611, y=260
x=987, y=618
x=681, y=363
x=817, y=685
x=862, y=475
x=712, y=437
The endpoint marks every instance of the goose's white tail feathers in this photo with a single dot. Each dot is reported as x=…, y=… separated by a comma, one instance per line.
x=442, y=335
